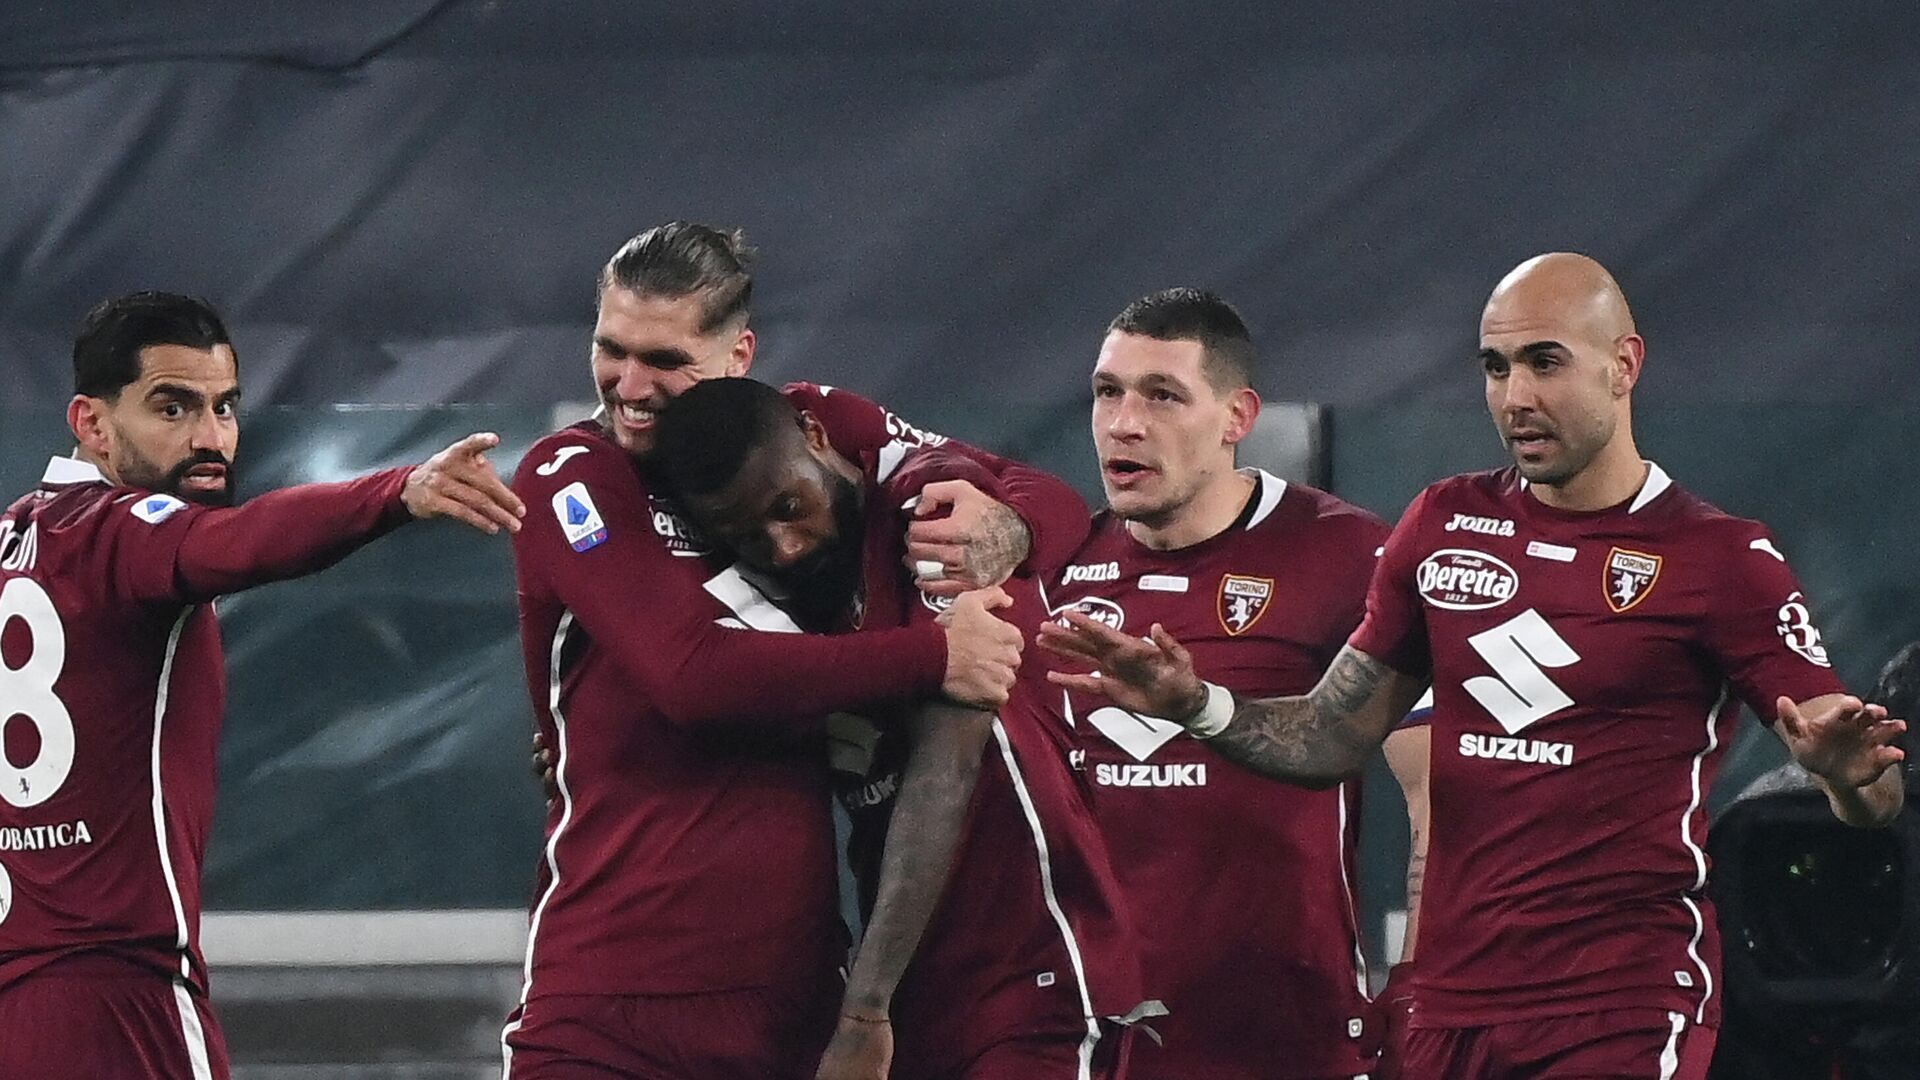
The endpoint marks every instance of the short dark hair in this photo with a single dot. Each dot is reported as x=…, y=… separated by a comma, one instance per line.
x=682, y=258
x=106, y=351
x=706, y=434
x=1183, y=314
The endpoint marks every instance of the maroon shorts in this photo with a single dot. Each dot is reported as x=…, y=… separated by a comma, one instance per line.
x=1045, y=1057
x=94, y=1016
x=765, y=1033
x=1623, y=1044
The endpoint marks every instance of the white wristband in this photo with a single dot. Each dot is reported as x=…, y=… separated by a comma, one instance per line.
x=1215, y=715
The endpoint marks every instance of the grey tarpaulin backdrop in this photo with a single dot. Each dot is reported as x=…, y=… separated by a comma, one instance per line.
x=404, y=203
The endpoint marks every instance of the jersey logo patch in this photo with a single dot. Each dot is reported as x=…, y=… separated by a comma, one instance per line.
x=1242, y=601
x=1461, y=580
x=1630, y=577
x=1092, y=572
x=1796, y=629
x=559, y=458
x=1098, y=608
x=1138, y=735
x=579, y=520
x=155, y=509
x=681, y=537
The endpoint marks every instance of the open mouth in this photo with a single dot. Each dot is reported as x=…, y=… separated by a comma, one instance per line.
x=1528, y=441
x=1125, y=471
x=633, y=417
x=206, y=477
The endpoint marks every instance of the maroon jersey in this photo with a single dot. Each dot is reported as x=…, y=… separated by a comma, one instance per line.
x=692, y=846
x=1260, y=967
x=1032, y=936
x=115, y=684
x=1587, y=670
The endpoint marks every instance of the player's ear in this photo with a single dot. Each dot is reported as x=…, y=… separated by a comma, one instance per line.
x=741, y=358
x=1629, y=356
x=816, y=433
x=1243, y=408
x=87, y=418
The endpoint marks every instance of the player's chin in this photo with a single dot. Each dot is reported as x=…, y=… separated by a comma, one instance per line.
x=637, y=444
x=1539, y=466
x=1129, y=504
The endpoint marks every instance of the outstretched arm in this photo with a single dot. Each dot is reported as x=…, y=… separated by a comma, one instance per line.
x=1315, y=740
x=928, y=818
x=1848, y=747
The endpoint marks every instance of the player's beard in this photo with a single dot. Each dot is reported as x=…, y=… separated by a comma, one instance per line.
x=138, y=471
x=822, y=587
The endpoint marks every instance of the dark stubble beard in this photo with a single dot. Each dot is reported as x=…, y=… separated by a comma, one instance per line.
x=823, y=588
x=137, y=471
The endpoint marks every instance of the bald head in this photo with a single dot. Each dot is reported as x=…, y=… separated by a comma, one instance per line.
x=1559, y=289
x=1561, y=357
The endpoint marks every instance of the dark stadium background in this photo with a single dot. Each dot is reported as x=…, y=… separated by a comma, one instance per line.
x=401, y=204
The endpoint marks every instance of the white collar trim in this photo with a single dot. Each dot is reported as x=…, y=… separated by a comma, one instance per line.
x=1272, y=489
x=62, y=470
x=1657, y=482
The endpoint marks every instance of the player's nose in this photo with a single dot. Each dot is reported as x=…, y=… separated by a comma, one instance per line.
x=636, y=382
x=1520, y=391
x=209, y=432
x=1125, y=419
x=787, y=545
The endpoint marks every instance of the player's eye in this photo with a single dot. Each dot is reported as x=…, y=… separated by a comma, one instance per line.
x=173, y=410
x=224, y=410
x=1494, y=366
x=1106, y=391
x=1165, y=395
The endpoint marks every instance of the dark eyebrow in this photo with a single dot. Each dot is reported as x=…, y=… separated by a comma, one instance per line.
x=1527, y=351
x=1157, y=380
x=185, y=395
x=667, y=359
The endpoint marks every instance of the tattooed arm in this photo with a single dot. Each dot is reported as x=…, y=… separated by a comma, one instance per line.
x=1408, y=750
x=1315, y=740
x=936, y=788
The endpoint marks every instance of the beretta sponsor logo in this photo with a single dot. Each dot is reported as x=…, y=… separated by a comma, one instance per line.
x=1097, y=608
x=1461, y=580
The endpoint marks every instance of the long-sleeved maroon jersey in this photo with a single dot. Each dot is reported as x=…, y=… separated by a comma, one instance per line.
x=1242, y=886
x=1032, y=936
x=114, y=682
x=692, y=846
x=1587, y=669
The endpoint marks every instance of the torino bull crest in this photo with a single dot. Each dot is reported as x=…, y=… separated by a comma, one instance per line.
x=1242, y=601
x=1630, y=577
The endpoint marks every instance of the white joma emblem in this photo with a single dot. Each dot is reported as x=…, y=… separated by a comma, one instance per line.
x=559, y=459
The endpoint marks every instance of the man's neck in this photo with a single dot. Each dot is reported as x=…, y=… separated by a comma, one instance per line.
x=1208, y=515
x=81, y=454
x=1609, y=480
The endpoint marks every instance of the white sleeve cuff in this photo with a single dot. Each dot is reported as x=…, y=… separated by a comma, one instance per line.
x=1215, y=715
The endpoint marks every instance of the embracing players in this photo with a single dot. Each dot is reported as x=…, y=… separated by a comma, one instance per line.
x=687, y=922
x=1588, y=628
x=113, y=683
x=1027, y=969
